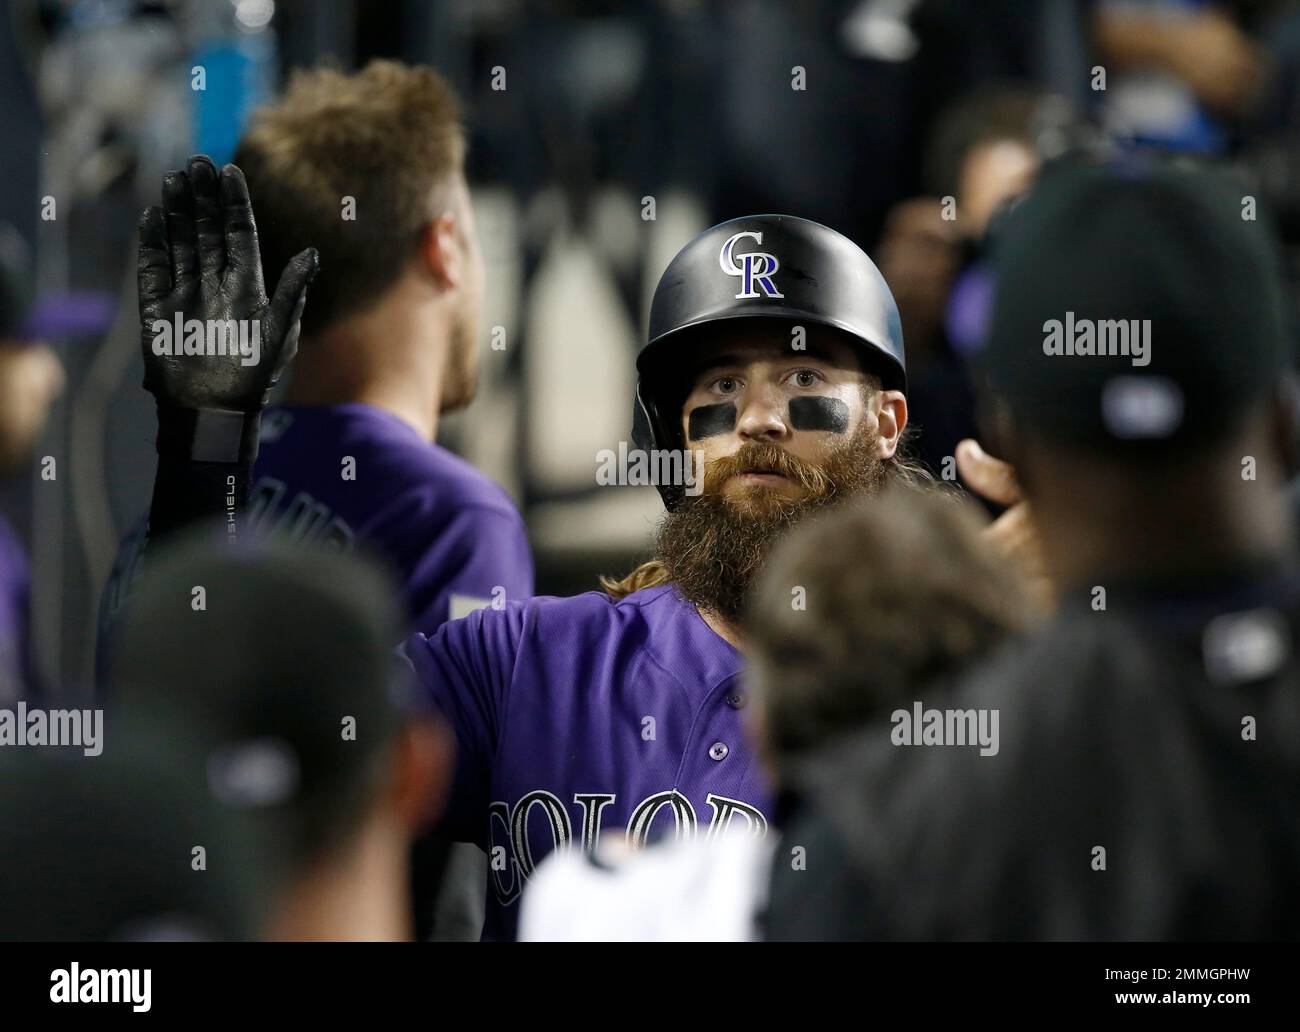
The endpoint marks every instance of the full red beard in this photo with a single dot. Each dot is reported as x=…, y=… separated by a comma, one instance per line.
x=714, y=544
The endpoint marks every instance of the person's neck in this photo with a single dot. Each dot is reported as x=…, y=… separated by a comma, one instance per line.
x=357, y=895
x=727, y=630
x=393, y=357
x=1155, y=535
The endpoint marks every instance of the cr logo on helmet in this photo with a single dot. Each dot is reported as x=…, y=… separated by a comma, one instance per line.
x=756, y=269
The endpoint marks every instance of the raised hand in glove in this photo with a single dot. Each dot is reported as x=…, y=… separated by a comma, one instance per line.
x=199, y=258
x=200, y=271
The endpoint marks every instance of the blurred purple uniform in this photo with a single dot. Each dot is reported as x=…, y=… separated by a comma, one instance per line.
x=15, y=593
x=580, y=716
x=354, y=474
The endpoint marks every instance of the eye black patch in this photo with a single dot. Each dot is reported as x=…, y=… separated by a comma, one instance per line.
x=828, y=414
x=711, y=420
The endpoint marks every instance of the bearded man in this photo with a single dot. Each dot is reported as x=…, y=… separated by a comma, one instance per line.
x=775, y=352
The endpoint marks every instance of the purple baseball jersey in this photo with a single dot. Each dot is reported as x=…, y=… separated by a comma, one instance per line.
x=353, y=473
x=452, y=536
x=580, y=716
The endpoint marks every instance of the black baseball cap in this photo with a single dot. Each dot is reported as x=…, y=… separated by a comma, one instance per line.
x=1137, y=306
x=286, y=684
x=120, y=846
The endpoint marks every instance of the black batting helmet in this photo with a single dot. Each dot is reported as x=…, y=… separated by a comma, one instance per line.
x=759, y=267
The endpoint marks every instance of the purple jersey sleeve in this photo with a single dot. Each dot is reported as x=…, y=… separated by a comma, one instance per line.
x=465, y=670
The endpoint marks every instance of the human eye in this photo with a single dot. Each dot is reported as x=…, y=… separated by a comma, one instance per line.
x=806, y=378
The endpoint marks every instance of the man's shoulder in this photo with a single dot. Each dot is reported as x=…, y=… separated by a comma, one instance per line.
x=547, y=614
x=385, y=450
x=1132, y=659
x=658, y=612
x=576, y=628
x=458, y=482
x=1071, y=663
x=1046, y=700
x=1080, y=691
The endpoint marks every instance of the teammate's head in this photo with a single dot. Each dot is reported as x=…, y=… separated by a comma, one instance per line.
x=861, y=608
x=775, y=357
x=982, y=152
x=1139, y=349
x=31, y=376
x=368, y=168
x=277, y=665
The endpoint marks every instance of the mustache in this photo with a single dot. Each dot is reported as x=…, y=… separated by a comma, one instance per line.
x=714, y=546
x=766, y=457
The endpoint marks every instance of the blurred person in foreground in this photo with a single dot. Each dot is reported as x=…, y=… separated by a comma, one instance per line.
x=833, y=645
x=274, y=666
x=31, y=378
x=1184, y=74
x=982, y=154
x=1148, y=781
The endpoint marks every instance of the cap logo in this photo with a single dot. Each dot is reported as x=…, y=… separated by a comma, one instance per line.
x=253, y=773
x=755, y=270
x=1141, y=407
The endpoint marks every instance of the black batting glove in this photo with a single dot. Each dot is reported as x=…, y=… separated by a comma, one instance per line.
x=199, y=257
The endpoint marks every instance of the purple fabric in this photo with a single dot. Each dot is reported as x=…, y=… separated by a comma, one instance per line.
x=15, y=595
x=578, y=715
x=448, y=532
x=970, y=307
x=67, y=314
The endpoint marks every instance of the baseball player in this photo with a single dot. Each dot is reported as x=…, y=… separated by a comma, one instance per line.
x=774, y=350
x=388, y=343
